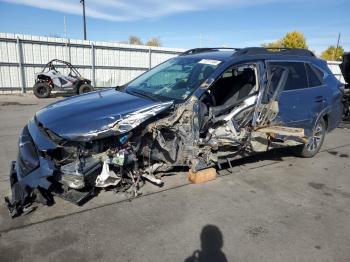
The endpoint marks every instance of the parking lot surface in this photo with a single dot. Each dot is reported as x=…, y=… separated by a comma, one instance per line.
x=270, y=207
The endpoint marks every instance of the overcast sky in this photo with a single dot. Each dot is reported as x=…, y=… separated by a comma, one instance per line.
x=184, y=23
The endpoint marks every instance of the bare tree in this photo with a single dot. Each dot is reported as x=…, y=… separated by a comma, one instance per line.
x=135, y=40
x=154, y=42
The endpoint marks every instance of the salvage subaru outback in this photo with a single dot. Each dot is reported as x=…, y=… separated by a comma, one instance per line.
x=206, y=107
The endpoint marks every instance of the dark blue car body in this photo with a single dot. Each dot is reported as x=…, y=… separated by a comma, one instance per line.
x=285, y=98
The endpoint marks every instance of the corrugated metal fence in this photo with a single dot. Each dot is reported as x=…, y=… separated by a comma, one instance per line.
x=105, y=63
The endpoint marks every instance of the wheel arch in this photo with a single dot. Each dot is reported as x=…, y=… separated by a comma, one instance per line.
x=324, y=114
x=325, y=118
x=85, y=81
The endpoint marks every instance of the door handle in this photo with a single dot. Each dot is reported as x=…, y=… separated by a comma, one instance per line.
x=319, y=99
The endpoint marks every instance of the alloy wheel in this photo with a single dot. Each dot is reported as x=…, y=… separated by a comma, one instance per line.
x=316, y=139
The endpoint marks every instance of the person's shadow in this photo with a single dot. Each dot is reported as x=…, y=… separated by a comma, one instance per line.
x=211, y=243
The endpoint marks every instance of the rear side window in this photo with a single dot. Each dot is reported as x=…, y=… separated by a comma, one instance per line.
x=314, y=75
x=296, y=78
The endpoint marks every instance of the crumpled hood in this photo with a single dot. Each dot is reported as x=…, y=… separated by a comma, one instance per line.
x=98, y=114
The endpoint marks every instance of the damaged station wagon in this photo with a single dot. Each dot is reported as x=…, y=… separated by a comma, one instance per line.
x=206, y=107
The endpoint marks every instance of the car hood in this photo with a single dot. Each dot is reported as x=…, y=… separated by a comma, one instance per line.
x=98, y=114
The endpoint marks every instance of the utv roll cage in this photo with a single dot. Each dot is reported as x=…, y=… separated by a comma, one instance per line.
x=254, y=51
x=51, y=66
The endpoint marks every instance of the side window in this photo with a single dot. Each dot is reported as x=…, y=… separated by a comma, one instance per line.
x=296, y=75
x=318, y=72
x=314, y=75
x=235, y=84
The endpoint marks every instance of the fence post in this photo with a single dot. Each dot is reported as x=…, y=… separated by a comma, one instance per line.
x=93, y=65
x=20, y=65
x=67, y=52
x=149, y=58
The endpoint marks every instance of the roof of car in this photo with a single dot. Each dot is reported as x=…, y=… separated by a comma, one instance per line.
x=225, y=54
x=222, y=55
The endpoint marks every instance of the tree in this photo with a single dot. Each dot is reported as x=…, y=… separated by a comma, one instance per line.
x=276, y=44
x=290, y=40
x=294, y=40
x=135, y=40
x=154, y=42
x=333, y=53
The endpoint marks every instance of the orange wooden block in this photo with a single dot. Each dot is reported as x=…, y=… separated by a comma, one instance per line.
x=202, y=175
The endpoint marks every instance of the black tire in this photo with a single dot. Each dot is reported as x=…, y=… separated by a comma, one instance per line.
x=85, y=88
x=42, y=90
x=311, y=148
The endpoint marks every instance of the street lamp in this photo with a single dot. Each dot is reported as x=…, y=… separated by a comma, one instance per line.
x=83, y=3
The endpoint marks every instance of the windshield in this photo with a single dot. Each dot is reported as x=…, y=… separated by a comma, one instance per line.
x=176, y=79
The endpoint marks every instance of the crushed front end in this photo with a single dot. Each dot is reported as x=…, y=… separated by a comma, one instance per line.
x=49, y=164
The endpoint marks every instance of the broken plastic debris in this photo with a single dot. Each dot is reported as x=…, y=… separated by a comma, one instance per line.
x=153, y=179
x=107, y=177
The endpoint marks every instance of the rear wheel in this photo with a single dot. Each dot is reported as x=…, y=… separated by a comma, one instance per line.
x=315, y=142
x=85, y=88
x=42, y=90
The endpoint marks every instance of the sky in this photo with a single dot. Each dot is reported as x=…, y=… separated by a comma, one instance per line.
x=184, y=23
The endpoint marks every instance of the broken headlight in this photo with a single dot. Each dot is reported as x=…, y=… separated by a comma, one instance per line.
x=27, y=160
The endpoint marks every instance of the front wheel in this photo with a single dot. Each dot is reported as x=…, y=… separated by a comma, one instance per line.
x=315, y=141
x=42, y=90
x=85, y=88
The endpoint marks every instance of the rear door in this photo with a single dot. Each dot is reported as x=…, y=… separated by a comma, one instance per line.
x=302, y=96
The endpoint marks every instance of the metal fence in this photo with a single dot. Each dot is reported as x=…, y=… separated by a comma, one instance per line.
x=105, y=63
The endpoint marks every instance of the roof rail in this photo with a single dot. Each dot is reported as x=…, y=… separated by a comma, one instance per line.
x=274, y=50
x=206, y=49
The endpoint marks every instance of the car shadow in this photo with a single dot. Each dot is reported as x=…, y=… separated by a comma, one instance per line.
x=278, y=154
x=212, y=242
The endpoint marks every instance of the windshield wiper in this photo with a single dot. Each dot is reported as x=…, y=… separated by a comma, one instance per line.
x=143, y=94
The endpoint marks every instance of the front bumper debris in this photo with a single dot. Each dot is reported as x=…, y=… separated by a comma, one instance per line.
x=22, y=196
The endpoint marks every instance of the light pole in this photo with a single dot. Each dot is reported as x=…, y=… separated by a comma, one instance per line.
x=83, y=3
x=335, y=51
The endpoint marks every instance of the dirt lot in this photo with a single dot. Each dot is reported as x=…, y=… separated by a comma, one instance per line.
x=271, y=207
